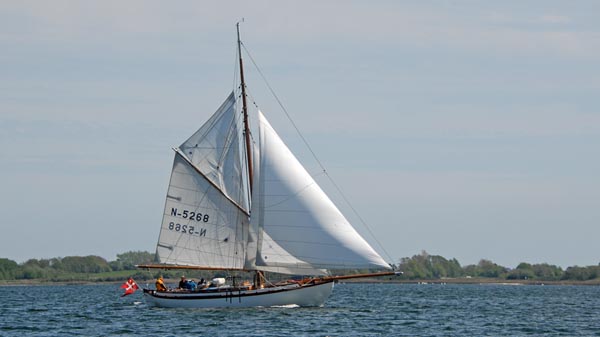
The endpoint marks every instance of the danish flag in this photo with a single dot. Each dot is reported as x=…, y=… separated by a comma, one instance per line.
x=130, y=287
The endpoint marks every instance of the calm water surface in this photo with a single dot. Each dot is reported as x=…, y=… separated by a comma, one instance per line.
x=352, y=310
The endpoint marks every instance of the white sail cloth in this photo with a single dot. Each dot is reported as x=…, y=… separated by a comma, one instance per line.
x=205, y=222
x=215, y=151
x=289, y=225
x=299, y=226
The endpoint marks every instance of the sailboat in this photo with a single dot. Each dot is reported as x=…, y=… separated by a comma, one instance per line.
x=239, y=200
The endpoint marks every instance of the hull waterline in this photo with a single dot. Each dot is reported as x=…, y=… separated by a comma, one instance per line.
x=304, y=296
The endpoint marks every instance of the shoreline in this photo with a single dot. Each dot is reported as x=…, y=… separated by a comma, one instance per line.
x=474, y=281
x=491, y=281
x=34, y=282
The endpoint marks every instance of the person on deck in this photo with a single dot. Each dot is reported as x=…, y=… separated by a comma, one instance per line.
x=191, y=285
x=182, y=282
x=160, y=284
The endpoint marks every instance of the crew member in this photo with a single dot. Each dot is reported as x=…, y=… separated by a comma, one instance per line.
x=160, y=284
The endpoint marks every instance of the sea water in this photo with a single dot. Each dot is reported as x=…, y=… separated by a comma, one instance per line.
x=352, y=310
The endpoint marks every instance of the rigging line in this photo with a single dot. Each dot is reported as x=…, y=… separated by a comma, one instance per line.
x=244, y=154
x=313, y=153
x=249, y=95
x=298, y=192
x=239, y=227
x=359, y=217
x=235, y=70
x=283, y=108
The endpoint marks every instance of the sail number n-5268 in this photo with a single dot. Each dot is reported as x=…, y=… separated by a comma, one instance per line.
x=186, y=229
x=189, y=215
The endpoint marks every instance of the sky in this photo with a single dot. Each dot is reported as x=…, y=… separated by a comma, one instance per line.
x=468, y=129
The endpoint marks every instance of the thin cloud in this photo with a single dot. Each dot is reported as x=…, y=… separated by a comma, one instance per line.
x=552, y=18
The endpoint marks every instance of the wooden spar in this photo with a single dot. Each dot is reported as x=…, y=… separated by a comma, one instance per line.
x=325, y=278
x=245, y=111
x=185, y=158
x=172, y=266
x=259, y=277
x=345, y=277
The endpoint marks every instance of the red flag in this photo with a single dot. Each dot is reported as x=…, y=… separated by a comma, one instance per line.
x=130, y=287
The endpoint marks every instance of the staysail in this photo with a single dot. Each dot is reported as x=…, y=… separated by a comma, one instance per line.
x=205, y=222
x=299, y=227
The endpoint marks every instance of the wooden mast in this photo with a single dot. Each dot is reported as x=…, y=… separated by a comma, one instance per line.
x=245, y=112
x=259, y=277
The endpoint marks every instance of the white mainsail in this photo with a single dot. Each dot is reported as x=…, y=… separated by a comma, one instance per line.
x=205, y=222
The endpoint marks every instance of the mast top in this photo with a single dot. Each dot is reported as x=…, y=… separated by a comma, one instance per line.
x=245, y=112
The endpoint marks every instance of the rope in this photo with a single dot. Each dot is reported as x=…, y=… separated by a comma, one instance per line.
x=283, y=108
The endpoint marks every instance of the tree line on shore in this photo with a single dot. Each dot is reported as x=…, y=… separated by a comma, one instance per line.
x=430, y=267
x=75, y=268
x=422, y=266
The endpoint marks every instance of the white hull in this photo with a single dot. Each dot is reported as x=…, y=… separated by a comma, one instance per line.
x=305, y=296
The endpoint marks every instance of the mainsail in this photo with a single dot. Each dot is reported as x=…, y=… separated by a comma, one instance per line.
x=205, y=221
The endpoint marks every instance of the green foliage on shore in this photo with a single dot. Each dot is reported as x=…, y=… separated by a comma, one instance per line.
x=430, y=267
x=90, y=269
x=418, y=267
x=76, y=268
